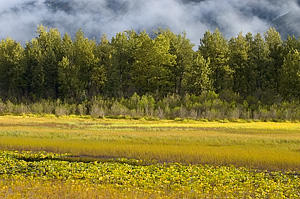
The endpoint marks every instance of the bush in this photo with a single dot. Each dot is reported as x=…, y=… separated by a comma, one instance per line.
x=2, y=107
x=62, y=110
x=37, y=108
x=48, y=107
x=118, y=109
x=21, y=109
x=208, y=105
x=96, y=111
x=9, y=107
x=81, y=109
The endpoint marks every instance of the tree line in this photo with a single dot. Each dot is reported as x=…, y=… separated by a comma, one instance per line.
x=260, y=70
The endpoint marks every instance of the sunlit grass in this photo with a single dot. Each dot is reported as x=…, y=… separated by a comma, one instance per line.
x=263, y=145
x=55, y=189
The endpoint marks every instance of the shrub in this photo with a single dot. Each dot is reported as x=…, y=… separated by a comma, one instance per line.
x=48, y=107
x=2, y=107
x=62, y=110
x=21, y=109
x=37, y=108
x=9, y=107
x=96, y=111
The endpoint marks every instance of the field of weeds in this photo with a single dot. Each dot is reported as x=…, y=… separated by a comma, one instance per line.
x=46, y=175
x=184, y=158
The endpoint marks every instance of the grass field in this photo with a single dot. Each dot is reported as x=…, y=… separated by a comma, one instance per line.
x=251, y=149
x=272, y=146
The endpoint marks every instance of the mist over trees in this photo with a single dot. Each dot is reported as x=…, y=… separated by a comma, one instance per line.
x=162, y=76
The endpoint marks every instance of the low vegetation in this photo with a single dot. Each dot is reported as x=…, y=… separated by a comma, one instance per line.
x=137, y=158
x=207, y=106
x=261, y=145
x=159, y=180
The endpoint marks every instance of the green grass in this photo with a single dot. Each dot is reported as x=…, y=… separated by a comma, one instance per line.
x=261, y=145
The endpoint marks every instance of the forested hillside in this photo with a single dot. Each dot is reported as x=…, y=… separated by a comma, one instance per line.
x=247, y=72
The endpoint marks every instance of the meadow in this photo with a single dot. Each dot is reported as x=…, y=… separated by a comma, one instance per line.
x=94, y=158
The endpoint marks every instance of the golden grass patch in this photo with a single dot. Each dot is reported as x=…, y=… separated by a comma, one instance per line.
x=265, y=145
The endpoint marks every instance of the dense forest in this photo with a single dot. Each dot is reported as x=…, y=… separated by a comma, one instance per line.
x=160, y=76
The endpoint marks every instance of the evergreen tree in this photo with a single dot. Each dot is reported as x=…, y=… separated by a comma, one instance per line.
x=182, y=48
x=274, y=44
x=12, y=70
x=239, y=62
x=119, y=72
x=197, y=77
x=104, y=54
x=151, y=69
x=80, y=68
x=68, y=72
x=43, y=55
x=290, y=76
x=86, y=61
x=258, y=58
x=290, y=44
x=35, y=72
x=50, y=44
x=215, y=47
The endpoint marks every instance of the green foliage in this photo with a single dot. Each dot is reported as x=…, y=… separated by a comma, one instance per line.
x=290, y=76
x=127, y=69
x=151, y=68
x=119, y=72
x=198, y=76
x=258, y=57
x=43, y=55
x=175, y=178
x=214, y=46
x=182, y=49
x=275, y=59
x=238, y=61
x=12, y=69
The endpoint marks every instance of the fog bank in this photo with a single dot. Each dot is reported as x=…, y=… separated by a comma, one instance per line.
x=19, y=18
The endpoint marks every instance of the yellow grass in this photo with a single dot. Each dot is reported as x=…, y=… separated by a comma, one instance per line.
x=264, y=145
x=56, y=189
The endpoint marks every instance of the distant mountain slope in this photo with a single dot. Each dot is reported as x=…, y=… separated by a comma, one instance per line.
x=58, y=5
x=288, y=24
x=19, y=18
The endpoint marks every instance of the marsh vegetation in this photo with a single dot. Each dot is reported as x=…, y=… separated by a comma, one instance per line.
x=94, y=158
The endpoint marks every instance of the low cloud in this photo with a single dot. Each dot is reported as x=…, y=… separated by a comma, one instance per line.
x=19, y=18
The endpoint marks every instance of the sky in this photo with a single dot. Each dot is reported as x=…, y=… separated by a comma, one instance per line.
x=19, y=18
